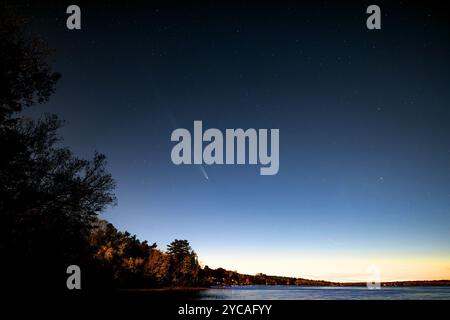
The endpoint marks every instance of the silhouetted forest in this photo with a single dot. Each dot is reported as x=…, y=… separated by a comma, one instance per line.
x=50, y=198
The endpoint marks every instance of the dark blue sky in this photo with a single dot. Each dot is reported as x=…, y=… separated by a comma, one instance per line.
x=363, y=115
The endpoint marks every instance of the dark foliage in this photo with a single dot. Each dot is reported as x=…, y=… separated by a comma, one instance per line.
x=25, y=75
x=49, y=199
x=48, y=196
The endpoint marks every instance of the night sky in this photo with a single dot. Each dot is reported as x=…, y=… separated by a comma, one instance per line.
x=363, y=115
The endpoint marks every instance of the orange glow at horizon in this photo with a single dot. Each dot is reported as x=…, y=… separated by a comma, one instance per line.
x=338, y=269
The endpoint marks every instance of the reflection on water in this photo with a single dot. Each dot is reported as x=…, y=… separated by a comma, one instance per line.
x=325, y=293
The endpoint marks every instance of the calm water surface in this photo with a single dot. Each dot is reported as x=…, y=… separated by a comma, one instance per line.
x=326, y=293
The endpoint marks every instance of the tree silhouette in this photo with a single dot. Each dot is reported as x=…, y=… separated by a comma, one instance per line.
x=179, y=249
x=49, y=197
x=185, y=268
x=25, y=75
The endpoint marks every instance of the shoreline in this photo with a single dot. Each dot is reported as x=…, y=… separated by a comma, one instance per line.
x=438, y=283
